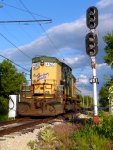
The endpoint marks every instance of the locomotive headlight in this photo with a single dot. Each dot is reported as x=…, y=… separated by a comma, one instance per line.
x=42, y=62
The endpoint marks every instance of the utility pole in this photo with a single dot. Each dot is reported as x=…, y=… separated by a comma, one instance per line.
x=22, y=21
x=92, y=50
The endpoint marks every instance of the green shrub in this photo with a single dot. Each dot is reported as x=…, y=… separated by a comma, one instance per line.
x=3, y=106
x=71, y=137
x=3, y=117
x=47, y=135
x=32, y=145
x=106, y=127
x=47, y=140
x=88, y=138
x=64, y=133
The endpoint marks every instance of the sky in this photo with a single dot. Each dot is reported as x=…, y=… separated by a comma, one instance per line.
x=63, y=37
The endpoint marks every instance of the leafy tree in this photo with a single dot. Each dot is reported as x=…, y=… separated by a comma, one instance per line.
x=103, y=96
x=3, y=105
x=79, y=96
x=10, y=82
x=88, y=101
x=104, y=92
x=108, y=39
x=85, y=100
x=11, y=79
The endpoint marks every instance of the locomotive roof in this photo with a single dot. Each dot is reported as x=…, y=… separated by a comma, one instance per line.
x=49, y=59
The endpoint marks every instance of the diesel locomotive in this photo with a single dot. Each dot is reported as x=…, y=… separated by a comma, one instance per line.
x=52, y=89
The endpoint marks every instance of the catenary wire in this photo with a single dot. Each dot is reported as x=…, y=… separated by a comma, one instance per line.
x=14, y=63
x=23, y=10
x=26, y=34
x=32, y=13
x=15, y=46
x=39, y=25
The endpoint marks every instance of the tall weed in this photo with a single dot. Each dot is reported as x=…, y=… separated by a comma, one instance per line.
x=88, y=138
x=3, y=117
x=106, y=127
x=47, y=135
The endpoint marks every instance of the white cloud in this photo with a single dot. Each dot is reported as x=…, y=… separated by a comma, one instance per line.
x=100, y=66
x=104, y=3
x=64, y=36
x=83, y=79
x=70, y=36
x=85, y=91
x=105, y=23
x=75, y=62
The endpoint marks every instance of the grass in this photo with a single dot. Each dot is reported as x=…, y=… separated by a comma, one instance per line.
x=48, y=135
x=88, y=138
x=77, y=137
x=3, y=117
x=57, y=138
x=64, y=133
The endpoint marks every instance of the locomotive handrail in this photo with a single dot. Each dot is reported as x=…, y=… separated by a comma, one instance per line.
x=51, y=90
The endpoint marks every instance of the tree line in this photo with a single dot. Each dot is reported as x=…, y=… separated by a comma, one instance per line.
x=11, y=79
x=108, y=59
x=10, y=82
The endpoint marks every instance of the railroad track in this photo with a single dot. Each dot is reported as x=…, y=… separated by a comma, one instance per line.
x=24, y=125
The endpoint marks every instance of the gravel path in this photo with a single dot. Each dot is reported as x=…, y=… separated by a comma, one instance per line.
x=18, y=141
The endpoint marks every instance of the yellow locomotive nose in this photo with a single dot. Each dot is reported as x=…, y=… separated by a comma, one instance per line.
x=52, y=89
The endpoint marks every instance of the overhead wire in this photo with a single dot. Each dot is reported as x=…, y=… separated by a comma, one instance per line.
x=13, y=43
x=17, y=49
x=32, y=14
x=39, y=25
x=24, y=10
x=15, y=46
x=21, y=28
x=14, y=63
x=26, y=34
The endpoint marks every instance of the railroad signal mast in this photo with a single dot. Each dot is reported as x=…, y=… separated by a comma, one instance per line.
x=91, y=40
x=92, y=17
